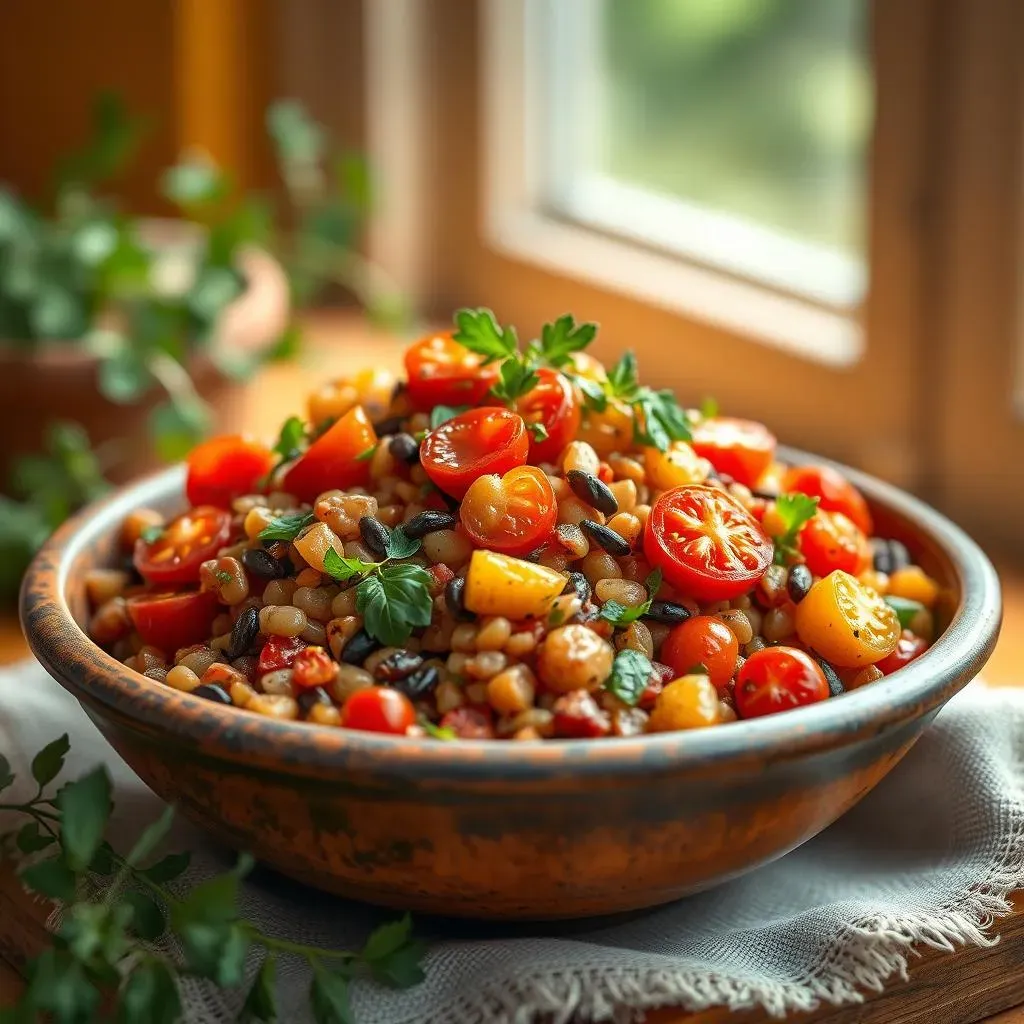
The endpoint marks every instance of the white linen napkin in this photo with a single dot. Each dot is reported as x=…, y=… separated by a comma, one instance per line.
x=928, y=857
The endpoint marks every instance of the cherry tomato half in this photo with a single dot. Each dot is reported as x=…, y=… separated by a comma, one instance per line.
x=834, y=493
x=170, y=621
x=332, y=459
x=279, y=652
x=514, y=513
x=224, y=468
x=378, y=709
x=830, y=541
x=185, y=543
x=778, y=679
x=742, y=449
x=475, y=442
x=551, y=403
x=705, y=641
x=910, y=646
x=443, y=372
x=706, y=543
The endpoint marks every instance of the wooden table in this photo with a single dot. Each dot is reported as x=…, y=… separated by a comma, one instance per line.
x=958, y=988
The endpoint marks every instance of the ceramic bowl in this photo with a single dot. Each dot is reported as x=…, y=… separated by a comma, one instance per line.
x=510, y=830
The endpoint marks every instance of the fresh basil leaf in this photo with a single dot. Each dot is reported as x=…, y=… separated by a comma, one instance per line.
x=168, y=868
x=631, y=672
x=47, y=764
x=52, y=878
x=148, y=920
x=477, y=330
x=443, y=413
x=658, y=419
x=286, y=528
x=85, y=807
x=149, y=996
x=904, y=608
x=794, y=510
x=401, y=545
x=31, y=840
x=342, y=568
x=560, y=339
x=261, y=1001
x=328, y=996
x=395, y=601
x=622, y=615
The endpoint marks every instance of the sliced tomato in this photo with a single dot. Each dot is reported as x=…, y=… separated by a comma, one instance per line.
x=472, y=444
x=443, y=372
x=830, y=541
x=172, y=620
x=742, y=449
x=279, y=652
x=706, y=543
x=378, y=709
x=834, y=493
x=778, y=679
x=225, y=468
x=513, y=514
x=332, y=460
x=552, y=404
x=183, y=545
x=910, y=646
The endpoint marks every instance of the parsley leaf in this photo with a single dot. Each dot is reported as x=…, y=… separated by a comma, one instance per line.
x=622, y=615
x=401, y=545
x=559, y=340
x=537, y=431
x=594, y=395
x=794, y=510
x=342, y=568
x=289, y=441
x=223, y=575
x=904, y=608
x=631, y=672
x=437, y=731
x=478, y=331
x=394, y=601
x=517, y=376
x=286, y=527
x=623, y=378
x=443, y=413
x=658, y=419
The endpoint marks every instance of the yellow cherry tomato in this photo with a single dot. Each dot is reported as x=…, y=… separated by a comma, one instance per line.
x=678, y=466
x=610, y=430
x=690, y=702
x=914, y=584
x=846, y=622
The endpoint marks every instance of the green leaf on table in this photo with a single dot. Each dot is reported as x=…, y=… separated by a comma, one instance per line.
x=47, y=764
x=213, y=291
x=261, y=1000
x=94, y=242
x=631, y=672
x=393, y=955
x=85, y=806
x=395, y=601
x=401, y=545
x=298, y=138
x=152, y=836
x=59, y=986
x=206, y=921
x=173, y=866
x=287, y=527
x=124, y=376
x=31, y=839
x=386, y=938
x=148, y=920
x=51, y=878
x=477, y=330
x=58, y=313
x=116, y=135
x=149, y=995
x=328, y=995
x=194, y=182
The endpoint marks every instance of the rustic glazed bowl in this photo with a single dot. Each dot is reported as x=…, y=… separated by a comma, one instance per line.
x=510, y=830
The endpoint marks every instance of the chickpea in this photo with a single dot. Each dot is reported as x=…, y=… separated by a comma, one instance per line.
x=101, y=585
x=110, y=621
x=574, y=657
x=137, y=521
x=282, y=620
x=226, y=577
x=342, y=511
x=511, y=691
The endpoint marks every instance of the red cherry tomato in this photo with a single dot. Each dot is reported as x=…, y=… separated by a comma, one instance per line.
x=313, y=667
x=551, y=403
x=702, y=641
x=910, y=646
x=443, y=372
x=473, y=443
x=514, y=513
x=332, y=459
x=378, y=709
x=706, y=543
x=742, y=449
x=184, y=544
x=224, y=468
x=279, y=652
x=834, y=491
x=830, y=541
x=777, y=679
x=170, y=621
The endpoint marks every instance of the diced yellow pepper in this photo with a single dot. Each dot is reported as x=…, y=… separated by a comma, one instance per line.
x=498, y=584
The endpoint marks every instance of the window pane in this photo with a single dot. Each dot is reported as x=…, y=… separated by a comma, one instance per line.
x=759, y=108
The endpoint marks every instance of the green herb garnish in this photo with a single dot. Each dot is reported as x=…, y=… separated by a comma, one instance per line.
x=631, y=672
x=104, y=950
x=794, y=510
x=480, y=332
x=559, y=340
x=537, y=431
x=620, y=615
x=437, y=731
x=443, y=413
x=151, y=534
x=366, y=454
x=708, y=408
x=286, y=528
x=223, y=576
x=905, y=609
x=401, y=545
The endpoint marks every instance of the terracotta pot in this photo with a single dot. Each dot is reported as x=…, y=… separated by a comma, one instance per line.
x=60, y=381
x=554, y=829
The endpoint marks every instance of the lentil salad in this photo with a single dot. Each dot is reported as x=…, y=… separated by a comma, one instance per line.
x=511, y=543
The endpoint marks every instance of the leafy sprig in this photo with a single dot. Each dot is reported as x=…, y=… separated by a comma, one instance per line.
x=620, y=615
x=631, y=672
x=286, y=527
x=392, y=596
x=104, y=955
x=794, y=510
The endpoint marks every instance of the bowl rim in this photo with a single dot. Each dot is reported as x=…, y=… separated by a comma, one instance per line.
x=99, y=679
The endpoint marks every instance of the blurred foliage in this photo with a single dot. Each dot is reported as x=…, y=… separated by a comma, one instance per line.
x=82, y=273
x=760, y=108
